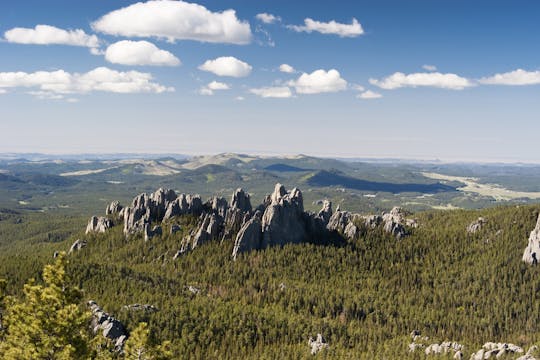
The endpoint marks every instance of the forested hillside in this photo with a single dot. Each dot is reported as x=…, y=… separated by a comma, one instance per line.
x=365, y=297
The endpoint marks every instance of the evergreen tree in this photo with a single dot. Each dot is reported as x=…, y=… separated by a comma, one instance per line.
x=48, y=323
x=139, y=347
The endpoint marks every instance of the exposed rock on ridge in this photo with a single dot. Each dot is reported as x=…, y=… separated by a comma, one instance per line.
x=98, y=225
x=110, y=327
x=278, y=221
x=532, y=251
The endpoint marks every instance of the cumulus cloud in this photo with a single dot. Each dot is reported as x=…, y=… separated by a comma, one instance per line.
x=432, y=79
x=227, y=66
x=369, y=95
x=175, y=20
x=49, y=35
x=60, y=82
x=319, y=81
x=429, y=67
x=286, y=68
x=128, y=52
x=267, y=18
x=353, y=29
x=272, y=92
x=213, y=86
x=516, y=77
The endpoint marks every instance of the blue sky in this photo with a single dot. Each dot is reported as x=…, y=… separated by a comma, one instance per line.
x=452, y=80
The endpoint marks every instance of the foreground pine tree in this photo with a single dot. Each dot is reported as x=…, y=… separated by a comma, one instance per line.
x=48, y=322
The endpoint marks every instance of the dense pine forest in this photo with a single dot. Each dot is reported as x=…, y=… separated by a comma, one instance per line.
x=365, y=296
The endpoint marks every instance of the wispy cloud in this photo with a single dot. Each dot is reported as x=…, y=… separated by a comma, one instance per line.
x=353, y=29
x=213, y=86
x=267, y=18
x=432, y=79
x=272, y=92
x=369, y=95
x=515, y=78
x=52, y=83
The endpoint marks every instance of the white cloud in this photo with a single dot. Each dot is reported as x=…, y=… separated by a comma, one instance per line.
x=175, y=20
x=128, y=52
x=3, y=91
x=49, y=35
x=368, y=95
x=353, y=29
x=216, y=85
x=59, y=82
x=267, y=18
x=213, y=86
x=286, y=68
x=429, y=67
x=516, y=77
x=434, y=79
x=227, y=66
x=272, y=92
x=319, y=81
x=240, y=98
x=206, y=91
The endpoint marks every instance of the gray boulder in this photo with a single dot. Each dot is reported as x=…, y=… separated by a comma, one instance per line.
x=113, y=208
x=317, y=344
x=110, y=327
x=98, y=225
x=209, y=229
x=218, y=205
x=282, y=221
x=476, y=225
x=339, y=221
x=240, y=200
x=249, y=237
x=372, y=221
x=531, y=254
x=351, y=231
x=326, y=212
x=77, y=245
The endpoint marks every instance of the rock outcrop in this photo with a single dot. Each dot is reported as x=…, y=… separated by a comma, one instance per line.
x=249, y=237
x=476, y=225
x=532, y=251
x=240, y=200
x=496, y=350
x=110, y=327
x=394, y=222
x=77, y=245
x=443, y=348
x=113, y=208
x=317, y=344
x=278, y=221
x=282, y=221
x=141, y=307
x=98, y=225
